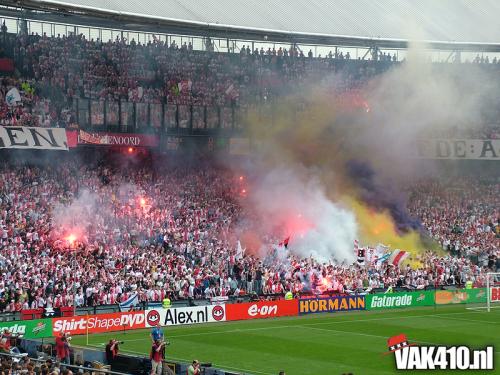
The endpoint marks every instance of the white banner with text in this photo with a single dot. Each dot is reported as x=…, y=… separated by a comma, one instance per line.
x=33, y=138
x=473, y=149
x=185, y=315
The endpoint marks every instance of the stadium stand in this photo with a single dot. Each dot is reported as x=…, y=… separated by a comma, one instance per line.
x=57, y=72
x=62, y=76
x=178, y=245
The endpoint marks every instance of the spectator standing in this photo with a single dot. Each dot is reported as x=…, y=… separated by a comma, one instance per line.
x=63, y=349
x=156, y=334
x=112, y=349
x=156, y=356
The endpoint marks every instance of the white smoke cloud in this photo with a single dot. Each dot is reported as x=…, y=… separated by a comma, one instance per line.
x=74, y=218
x=292, y=201
x=420, y=100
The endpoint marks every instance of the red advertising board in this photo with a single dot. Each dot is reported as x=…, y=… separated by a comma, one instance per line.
x=78, y=325
x=495, y=294
x=261, y=310
x=81, y=137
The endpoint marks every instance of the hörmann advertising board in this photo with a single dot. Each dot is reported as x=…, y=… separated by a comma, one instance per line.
x=331, y=304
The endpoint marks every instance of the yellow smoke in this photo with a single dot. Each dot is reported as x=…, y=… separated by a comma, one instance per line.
x=378, y=227
x=306, y=129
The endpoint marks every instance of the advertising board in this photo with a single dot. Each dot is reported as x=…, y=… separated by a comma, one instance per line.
x=29, y=329
x=261, y=309
x=399, y=300
x=78, y=325
x=447, y=297
x=495, y=294
x=185, y=315
x=331, y=304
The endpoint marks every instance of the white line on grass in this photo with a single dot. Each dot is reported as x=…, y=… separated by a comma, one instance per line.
x=470, y=320
x=295, y=325
x=482, y=308
x=358, y=333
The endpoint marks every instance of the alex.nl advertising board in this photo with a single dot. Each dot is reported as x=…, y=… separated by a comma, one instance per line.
x=185, y=315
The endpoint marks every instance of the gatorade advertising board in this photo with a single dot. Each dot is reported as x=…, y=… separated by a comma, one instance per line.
x=29, y=329
x=399, y=300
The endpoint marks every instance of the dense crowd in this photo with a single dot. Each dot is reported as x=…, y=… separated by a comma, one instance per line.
x=70, y=66
x=60, y=69
x=28, y=366
x=462, y=214
x=54, y=71
x=90, y=234
x=35, y=109
x=106, y=234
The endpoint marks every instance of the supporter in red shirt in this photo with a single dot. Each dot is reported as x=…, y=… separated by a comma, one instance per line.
x=62, y=348
x=5, y=340
x=156, y=356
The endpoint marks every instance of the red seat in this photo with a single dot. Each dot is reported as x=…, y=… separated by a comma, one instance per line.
x=67, y=311
x=30, y=314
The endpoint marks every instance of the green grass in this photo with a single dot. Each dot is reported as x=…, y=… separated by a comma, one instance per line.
x=320, y=343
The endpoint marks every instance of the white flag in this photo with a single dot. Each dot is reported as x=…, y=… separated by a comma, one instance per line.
x=239, y=251
x=381, y=248
x=130, y=302
x=12, y=97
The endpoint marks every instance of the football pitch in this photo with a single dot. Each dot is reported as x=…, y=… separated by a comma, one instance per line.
x=334, y=343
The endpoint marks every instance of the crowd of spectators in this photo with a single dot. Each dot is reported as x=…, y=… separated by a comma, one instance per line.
x=60, y=69
x=52, y=359
x=94, y=234
x=106, y=234
x=461, y=214
x=29, y=366
x=34, y=109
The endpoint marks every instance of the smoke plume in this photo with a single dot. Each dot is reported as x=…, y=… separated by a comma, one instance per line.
x=344, y=170
x=72, y=221
x=292, y=202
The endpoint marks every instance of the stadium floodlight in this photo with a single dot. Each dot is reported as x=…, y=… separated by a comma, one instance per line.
x=492, y=289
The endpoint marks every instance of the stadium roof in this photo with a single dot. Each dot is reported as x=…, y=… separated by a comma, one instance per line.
x=448, y=21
